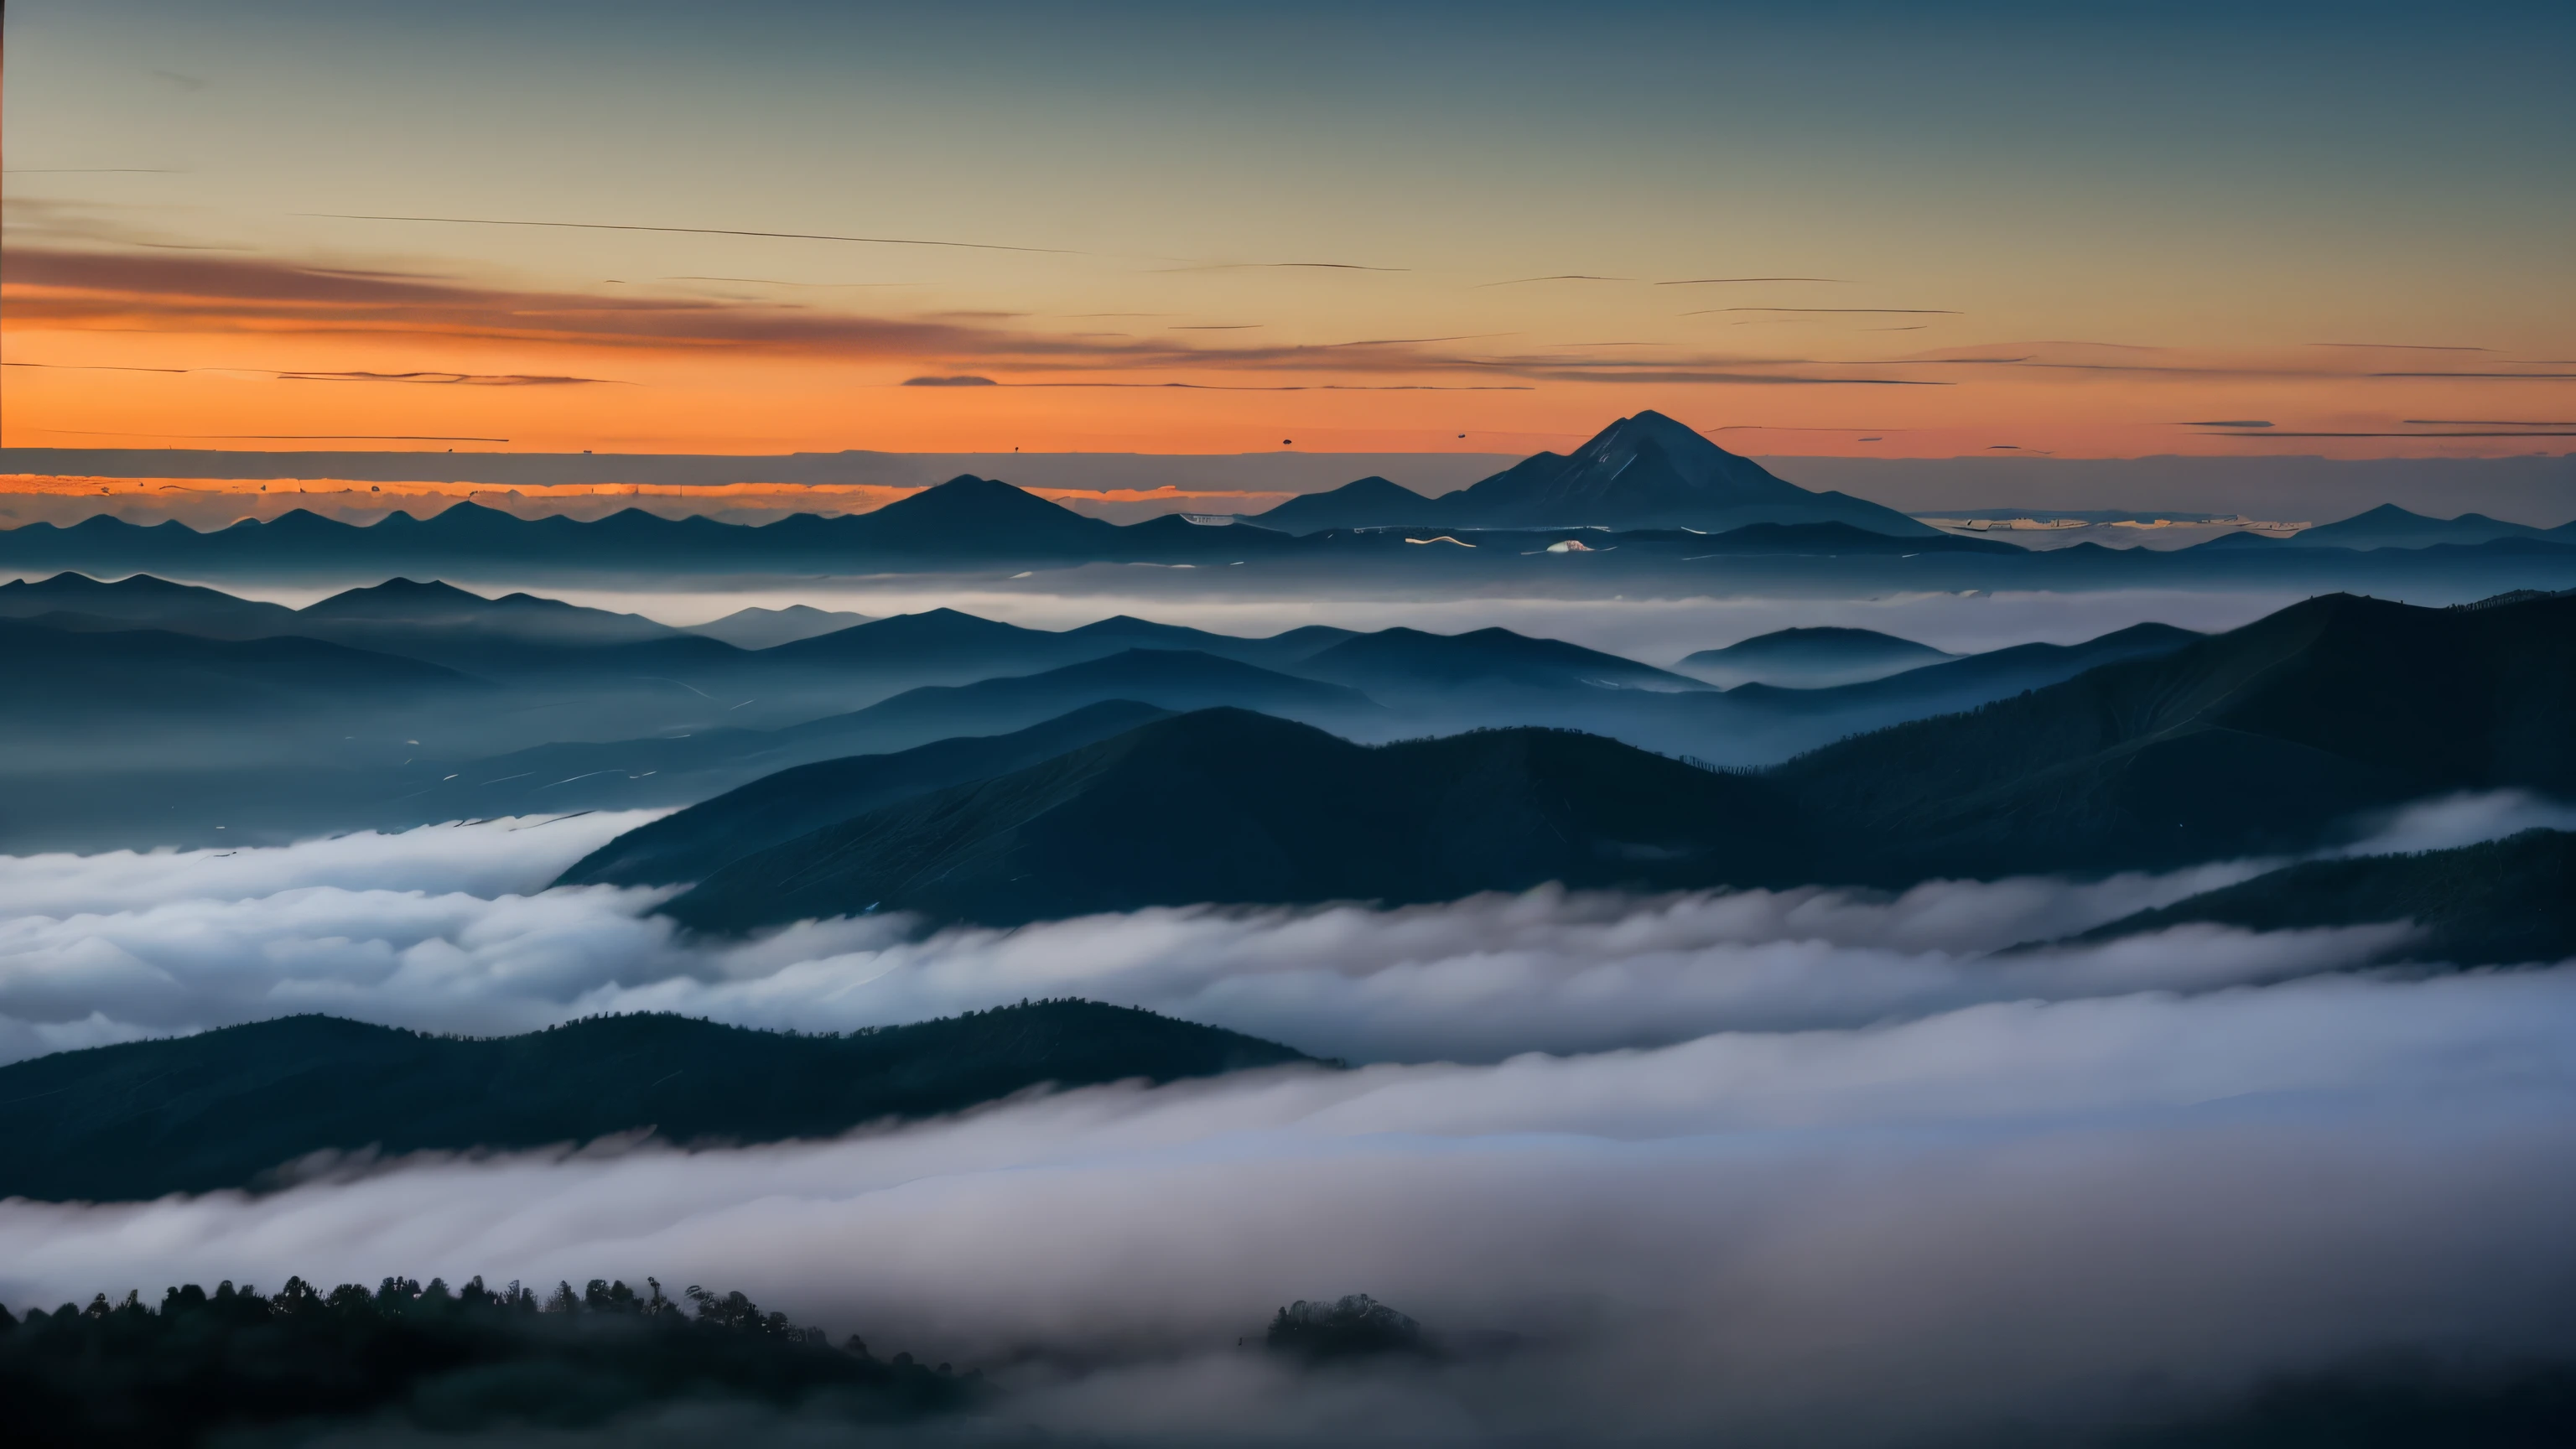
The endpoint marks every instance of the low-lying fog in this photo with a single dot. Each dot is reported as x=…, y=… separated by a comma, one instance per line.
x=1656, y=628
x=1806, y=1163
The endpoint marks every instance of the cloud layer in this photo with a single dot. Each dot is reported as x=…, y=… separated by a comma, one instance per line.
x=450, y=928
x=1809, y=1166
x=2023, y=1208
x=446, y=928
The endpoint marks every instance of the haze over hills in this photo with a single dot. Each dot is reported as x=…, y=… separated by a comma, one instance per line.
x=146, y=600
x=1400, y=661
x=434, y=604
x=686, y=767
x=1954, y=684
x=1757, y=724
x=694, y=843
x=2263, y=740
x=1169, y=678
x=533, y=715
x=231, y=1107
x=757, y=628
x=59, y=677
x=522, y=713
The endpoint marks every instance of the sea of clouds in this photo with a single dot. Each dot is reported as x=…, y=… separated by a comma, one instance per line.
x=1810, y=1165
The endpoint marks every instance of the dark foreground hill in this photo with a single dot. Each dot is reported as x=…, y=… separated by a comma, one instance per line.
x=2257, y=741
x=1226, y=805
x=2505, y=902
x=229, y=1108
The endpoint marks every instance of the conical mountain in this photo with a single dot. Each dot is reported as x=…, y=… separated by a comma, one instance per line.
x=972, y=515
x=1370, y=502
x=1649, y=471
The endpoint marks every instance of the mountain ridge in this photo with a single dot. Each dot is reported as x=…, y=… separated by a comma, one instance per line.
x=238, y=1107
x=1227, y=805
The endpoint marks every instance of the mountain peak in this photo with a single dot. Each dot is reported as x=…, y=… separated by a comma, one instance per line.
x=400, y=592
x=72, y=582
x=1646, y=423
x=979, y=515
x=1372, y=501
x=1648, y=470
x=967, y=495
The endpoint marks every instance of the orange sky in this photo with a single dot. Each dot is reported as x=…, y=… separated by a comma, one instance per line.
x=620, y=229
x=120, y=349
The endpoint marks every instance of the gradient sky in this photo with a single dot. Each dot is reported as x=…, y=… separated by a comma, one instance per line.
x=2097, y=231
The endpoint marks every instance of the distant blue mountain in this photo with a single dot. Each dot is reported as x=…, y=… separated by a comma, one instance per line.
x=1812, y=658
x=2389, y=526
x=1371, y=502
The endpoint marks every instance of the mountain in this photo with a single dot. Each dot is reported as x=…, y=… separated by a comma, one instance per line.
x=1226, y=805
x=1649, y=471
x=1411, y=661
x=763, y=628
x=944, y=645
x=145, y=600
x=686, y=766
x=694, y=843
x=1536, y=681
x=1170, y=678
x=230, y=1108
x=2502, y=903
x=1811, y=658
x=964, y=519
x=981, y=516
x=2514, y=596
x=1370, y=502
x=64, y=676
x=2256, y=741
x=2389, y=526
x=433, y=604
x=1964, y=683
x=1751, y=725
x=944, y=641
x=517, y=636
x=2180, y=748
x=1200, y=539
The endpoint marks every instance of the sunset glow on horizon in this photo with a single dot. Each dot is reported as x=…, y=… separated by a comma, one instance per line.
x=819, y=230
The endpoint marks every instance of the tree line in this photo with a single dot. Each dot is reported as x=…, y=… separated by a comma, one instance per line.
x=127, y=1373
